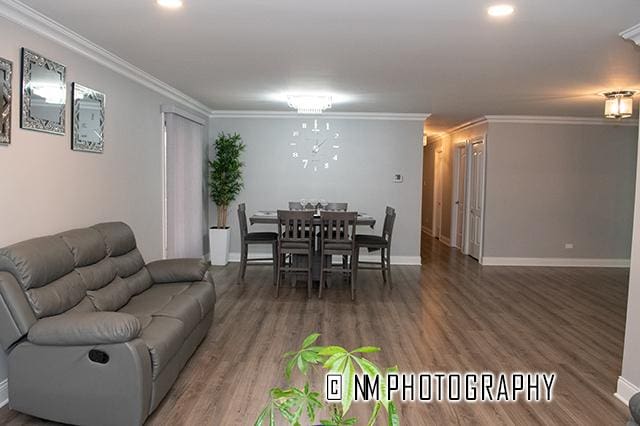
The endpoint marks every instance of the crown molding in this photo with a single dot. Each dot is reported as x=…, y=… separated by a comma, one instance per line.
x=541, y=119
x=332, y=115
x=632, y=34
x=468, y=125
x=532, y=119
x=21, y=14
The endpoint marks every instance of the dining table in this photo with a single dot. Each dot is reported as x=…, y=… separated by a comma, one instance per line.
x=270, y=217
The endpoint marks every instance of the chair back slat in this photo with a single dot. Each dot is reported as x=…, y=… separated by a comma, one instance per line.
x=242, y=220
x=389, y=220
x=338, y=227
x=294, y=225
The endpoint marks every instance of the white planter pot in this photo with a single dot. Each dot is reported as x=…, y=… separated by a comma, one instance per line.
x=219, y=244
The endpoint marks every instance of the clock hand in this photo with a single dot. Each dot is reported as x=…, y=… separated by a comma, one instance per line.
x=316, y=148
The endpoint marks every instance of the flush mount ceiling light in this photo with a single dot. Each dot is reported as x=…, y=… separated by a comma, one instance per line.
x=170, y=4
x=500, y=10
x=618, y=105
x=309, y=104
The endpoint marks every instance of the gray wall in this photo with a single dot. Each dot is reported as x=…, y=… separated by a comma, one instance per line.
x=631, y=359
x=550, y=184
x=371, y=152
x=47, y=188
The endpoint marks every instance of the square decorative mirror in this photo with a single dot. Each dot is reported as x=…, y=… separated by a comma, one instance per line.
x=6, y=70
x=87, y=112
x=44, y=94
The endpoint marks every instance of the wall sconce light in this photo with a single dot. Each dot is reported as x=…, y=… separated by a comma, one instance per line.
x=618, y=105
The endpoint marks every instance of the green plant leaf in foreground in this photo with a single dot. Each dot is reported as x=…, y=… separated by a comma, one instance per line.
x=310, y=340
x=294, y=403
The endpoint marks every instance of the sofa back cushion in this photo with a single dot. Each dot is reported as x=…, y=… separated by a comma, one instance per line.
x=90, y=257
x=110, y=297
x=44, y=268
x=86, y=244
x=125, y=256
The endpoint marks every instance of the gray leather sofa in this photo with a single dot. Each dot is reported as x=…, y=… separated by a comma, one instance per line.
x=634, y=407
x=93, y=335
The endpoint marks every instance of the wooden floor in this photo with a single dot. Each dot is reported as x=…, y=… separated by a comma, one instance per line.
x=448, y=315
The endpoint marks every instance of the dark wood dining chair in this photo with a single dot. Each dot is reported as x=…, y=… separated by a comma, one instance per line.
x=382, y=243
x=295, y=239
x=336, y=207
x=337, y=237
x=256, y=238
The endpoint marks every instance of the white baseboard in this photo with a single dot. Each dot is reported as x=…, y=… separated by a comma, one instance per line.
x=395, y=260
x=555, y=261
x=4, y=392
x=625, y=390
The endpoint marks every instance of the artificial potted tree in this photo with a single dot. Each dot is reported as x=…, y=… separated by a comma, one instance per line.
x=225, y=183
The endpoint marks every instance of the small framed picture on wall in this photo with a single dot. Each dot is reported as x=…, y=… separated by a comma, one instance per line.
x=87, y=112
x=6, y=73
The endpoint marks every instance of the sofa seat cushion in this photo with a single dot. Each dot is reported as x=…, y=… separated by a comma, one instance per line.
x=183, y=308
x=168, y=313
x=164, y=337
x=204, y=293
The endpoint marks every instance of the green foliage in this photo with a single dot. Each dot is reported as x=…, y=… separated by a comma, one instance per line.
x=292, y=403
x=225, y=173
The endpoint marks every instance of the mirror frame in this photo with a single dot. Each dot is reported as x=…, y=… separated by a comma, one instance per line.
x=6, y=67
x=29, y=60
x=77, y=144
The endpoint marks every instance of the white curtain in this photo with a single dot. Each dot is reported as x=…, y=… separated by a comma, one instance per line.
x=186, y=192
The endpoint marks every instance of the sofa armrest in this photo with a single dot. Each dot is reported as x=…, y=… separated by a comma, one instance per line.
x=92, y=328
x=177, y=270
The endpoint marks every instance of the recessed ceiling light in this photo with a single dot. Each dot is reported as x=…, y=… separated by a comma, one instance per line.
x=499, y=10
x=170, y=4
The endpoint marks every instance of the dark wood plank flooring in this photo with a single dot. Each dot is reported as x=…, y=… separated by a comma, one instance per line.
x=448, y=315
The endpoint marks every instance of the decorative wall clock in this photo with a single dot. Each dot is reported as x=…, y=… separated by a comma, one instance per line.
x=315, y=145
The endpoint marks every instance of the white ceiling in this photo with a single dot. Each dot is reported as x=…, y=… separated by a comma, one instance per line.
x=405, y=56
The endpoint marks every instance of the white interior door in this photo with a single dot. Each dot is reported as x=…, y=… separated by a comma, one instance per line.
x=185, y=191
x=461, y=194
x=437, y=194
x=476, y=192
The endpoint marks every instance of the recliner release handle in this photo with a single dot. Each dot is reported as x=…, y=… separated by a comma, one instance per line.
x=99, y=357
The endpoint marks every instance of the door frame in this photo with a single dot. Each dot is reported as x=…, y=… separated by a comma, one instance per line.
x=165, y=213
x=438, y=154
x=198, y=119
x=458, y=147
x=479, y=139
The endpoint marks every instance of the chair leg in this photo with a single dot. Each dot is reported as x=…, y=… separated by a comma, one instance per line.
x=345, y=263
x=279, y=278
x=322, y=278
x=274, y=253
x=389, y=267
x=243, y=263
x=383, y=267
x=354, y=273
x=309, y=275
